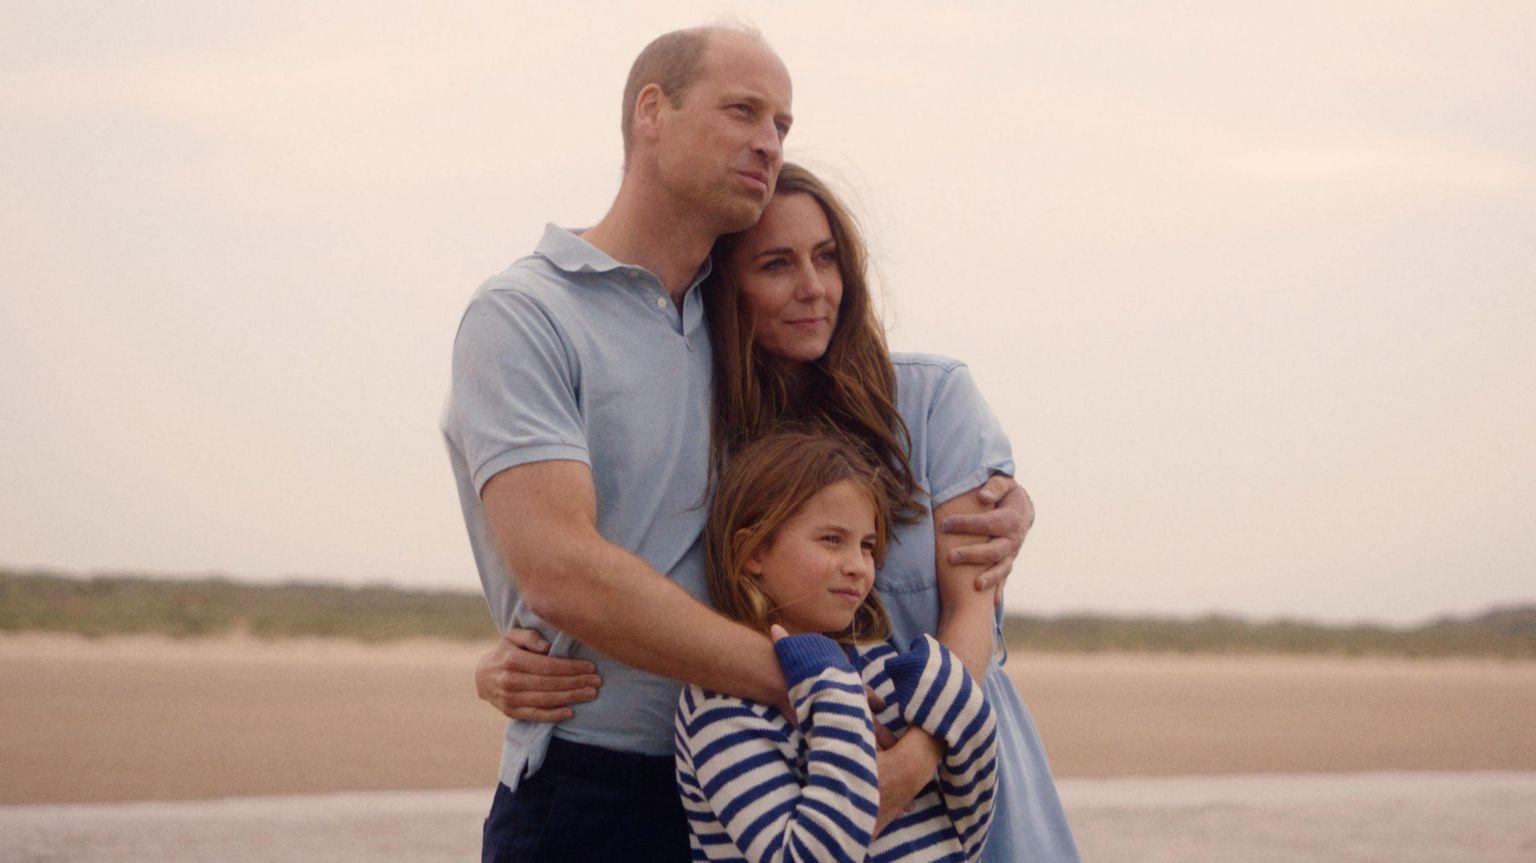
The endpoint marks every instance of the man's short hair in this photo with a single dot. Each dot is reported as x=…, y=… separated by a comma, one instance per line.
x=673, y=61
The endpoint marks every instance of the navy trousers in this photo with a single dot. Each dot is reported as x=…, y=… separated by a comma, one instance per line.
x=589, y=805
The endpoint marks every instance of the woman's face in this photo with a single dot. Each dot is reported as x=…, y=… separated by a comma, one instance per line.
x=786, y=270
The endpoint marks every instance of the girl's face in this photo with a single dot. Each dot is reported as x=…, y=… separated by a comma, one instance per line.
x=786, y=269
x=820, y=564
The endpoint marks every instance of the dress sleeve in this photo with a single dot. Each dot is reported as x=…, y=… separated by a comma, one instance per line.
x=966, y=444
x=513, y=398
x=937, y=695
x=732, y=765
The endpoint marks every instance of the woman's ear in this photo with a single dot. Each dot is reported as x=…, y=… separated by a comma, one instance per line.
x=753, y=564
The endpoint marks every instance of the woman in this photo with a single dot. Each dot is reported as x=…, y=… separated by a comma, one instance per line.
x=796, y=339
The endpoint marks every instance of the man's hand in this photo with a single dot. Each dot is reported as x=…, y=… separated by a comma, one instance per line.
x=1006, y=525
x=517, y=678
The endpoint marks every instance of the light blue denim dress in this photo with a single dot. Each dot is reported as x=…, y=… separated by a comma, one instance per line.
x=956, y=444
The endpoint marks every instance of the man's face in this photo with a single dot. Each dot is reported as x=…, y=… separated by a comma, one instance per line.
x=721, y=149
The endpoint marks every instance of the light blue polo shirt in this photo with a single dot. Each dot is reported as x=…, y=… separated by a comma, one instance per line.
x=568, y=354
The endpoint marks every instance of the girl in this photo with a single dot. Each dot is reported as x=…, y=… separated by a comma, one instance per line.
x=796, y=529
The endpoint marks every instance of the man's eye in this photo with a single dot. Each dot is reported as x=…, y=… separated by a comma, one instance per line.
x=742, y=108
x=783, y=130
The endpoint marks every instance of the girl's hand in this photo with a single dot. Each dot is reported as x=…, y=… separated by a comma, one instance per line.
x=778, y=632
x=518, y=679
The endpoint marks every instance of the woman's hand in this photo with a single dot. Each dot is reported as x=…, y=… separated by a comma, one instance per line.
x=1005, y=525
x=517, y=678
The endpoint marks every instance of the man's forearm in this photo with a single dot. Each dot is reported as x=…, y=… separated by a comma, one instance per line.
x=544, y=515
x=612, y=600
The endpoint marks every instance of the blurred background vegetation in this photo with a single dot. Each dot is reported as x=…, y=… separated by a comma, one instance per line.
x=121, y=604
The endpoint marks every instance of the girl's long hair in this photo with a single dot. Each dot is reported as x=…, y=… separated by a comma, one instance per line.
x=852, y=387
x=766, y=482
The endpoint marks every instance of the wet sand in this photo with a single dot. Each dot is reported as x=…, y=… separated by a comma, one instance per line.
x=155, y=719
x=1362, y=818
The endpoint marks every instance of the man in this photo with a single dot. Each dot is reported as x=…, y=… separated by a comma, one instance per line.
x=578, y=428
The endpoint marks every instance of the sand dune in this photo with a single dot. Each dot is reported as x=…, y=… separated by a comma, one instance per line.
x=155, y=719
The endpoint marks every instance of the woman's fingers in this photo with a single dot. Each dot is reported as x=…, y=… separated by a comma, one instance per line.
x=527, y=639
x=546, y=666
x=532, y=714
x=514, y=696
x=516, y=681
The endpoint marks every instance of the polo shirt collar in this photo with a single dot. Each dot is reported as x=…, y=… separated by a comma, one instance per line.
x=568, y=251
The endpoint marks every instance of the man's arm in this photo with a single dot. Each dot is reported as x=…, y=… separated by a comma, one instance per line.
x=544, y=517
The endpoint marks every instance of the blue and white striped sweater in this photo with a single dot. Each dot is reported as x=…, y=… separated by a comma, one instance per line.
x=757, y=788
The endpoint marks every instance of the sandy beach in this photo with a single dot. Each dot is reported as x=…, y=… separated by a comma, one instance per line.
x=114, y=748
x=158, y=719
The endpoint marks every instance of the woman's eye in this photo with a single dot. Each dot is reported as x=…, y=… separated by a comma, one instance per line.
x=827, y=256
x=832, y=539
x=775, y=265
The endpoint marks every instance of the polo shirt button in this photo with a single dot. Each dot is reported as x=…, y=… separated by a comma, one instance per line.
x=661, y=302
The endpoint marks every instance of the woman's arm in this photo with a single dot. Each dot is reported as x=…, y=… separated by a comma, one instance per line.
x=966, y=622
x=736, y=780
x=939, y=697
x=518, y=678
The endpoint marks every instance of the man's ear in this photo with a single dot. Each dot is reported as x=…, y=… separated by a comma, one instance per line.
x=648, y=106
x=754, y=562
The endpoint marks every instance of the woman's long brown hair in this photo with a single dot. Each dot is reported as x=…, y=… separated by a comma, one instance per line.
x=852, y=388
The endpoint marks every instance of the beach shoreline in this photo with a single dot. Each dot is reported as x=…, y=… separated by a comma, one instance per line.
x=151, y=718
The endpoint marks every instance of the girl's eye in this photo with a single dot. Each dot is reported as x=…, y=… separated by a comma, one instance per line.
x=832, y=539
x=868, y=545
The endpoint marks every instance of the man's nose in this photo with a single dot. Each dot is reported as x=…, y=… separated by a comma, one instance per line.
x=768, y=146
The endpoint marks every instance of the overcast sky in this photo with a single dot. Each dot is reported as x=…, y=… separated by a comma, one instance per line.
x=1251, y=286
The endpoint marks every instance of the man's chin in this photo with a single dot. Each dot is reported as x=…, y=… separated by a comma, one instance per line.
x=742, y=214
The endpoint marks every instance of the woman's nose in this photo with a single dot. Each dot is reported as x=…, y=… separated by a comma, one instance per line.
x=810, y=286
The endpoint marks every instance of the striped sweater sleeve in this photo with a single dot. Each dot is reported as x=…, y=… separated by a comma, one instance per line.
x=937, y=695
x=731, y=761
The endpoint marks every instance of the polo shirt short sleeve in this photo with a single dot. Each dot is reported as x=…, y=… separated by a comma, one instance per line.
x=513, y=398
